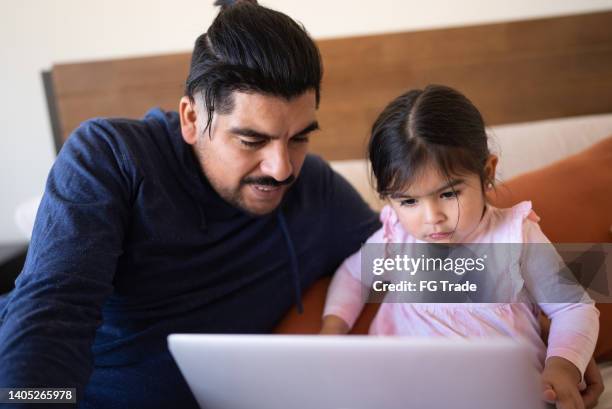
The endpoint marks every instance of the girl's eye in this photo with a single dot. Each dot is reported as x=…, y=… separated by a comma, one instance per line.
x=251, y=144
x=408, y=202
x=450, y=194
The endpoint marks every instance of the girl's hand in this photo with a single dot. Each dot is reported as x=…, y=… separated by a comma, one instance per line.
x=333, y=325
x=560, y=380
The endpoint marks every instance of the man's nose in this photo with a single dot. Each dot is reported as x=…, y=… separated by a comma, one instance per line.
x=276, y=162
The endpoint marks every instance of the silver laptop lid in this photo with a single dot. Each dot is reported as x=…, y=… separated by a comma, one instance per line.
x=355, y=372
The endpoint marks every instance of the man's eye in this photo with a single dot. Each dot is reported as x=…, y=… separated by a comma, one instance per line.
x=300, y=139
x=408, y=202
x=252, y=144
x=450, y=194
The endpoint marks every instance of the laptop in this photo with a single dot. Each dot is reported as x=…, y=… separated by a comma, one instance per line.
x=355, y=372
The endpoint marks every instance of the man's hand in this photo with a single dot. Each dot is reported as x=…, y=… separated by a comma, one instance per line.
x=560, y=380
x=333, y=325
x=594, y=385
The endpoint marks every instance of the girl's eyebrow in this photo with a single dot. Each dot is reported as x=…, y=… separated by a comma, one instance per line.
x=451, y=183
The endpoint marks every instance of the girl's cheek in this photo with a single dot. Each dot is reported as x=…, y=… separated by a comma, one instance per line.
x=410, y=224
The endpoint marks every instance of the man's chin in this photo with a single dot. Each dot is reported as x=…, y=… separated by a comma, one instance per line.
x=258, y=209
x=259, y=203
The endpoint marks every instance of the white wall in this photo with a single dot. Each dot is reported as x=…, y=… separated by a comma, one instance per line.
x=34, y=34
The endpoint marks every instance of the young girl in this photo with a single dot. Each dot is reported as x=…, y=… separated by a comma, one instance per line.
x=431, y=162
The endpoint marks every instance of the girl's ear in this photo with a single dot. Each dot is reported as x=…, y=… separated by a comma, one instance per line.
x=490, y=166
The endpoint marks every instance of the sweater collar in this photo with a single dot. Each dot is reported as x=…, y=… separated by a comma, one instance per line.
x=184, y=164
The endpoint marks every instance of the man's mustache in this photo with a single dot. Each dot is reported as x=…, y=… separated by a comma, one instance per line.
x=267, y=181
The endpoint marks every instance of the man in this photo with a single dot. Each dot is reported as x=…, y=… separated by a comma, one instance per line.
x=212, y=219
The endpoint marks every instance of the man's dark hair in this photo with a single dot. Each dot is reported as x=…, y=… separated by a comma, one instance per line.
x=250, y=48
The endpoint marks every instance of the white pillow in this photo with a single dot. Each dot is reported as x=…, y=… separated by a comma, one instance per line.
x=531, y=145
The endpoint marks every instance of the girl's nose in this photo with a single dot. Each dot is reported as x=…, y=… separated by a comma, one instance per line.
x=433, y=214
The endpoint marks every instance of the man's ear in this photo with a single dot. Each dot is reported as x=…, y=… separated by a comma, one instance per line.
x=489, y=168
x=189, y=117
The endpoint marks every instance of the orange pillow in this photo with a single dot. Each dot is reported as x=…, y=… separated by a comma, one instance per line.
x=573, y=197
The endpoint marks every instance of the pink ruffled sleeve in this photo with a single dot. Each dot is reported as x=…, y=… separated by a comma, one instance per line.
x=390, y=224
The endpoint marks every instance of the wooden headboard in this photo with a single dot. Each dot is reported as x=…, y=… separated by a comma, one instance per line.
x=514, y=72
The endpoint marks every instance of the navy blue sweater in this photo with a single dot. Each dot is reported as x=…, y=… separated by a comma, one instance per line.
x=131, y=243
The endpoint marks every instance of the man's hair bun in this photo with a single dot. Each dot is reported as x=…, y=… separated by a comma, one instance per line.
x=225, y=4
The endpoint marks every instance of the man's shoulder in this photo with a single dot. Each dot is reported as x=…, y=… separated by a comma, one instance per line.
x=154, y=122
x=121, y=137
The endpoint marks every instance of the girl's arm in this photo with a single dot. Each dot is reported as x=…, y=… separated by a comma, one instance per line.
x=334, y=325
x=347, y=292
x=574, y=319
x=573, y=332
x=344, y=300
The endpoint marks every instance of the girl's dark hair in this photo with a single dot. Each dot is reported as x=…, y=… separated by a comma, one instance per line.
x=436, y=126
x=251, y=48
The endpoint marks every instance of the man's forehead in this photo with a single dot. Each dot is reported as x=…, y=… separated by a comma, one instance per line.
x=268, y=113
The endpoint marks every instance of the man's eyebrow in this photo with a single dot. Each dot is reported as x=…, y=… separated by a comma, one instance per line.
x=451, y=183
x=250, y=133
x=313, y=126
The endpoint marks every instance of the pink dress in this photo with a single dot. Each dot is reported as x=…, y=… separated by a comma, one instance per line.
x=574, y=326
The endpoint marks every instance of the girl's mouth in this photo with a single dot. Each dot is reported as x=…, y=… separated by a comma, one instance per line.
x=440, y=236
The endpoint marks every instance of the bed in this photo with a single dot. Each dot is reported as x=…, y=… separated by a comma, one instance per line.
x=544, y=87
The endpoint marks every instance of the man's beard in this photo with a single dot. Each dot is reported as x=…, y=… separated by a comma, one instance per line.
x=234, y=196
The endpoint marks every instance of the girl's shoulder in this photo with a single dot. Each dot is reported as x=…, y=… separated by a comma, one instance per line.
x=514, y=224
x=520, y=211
